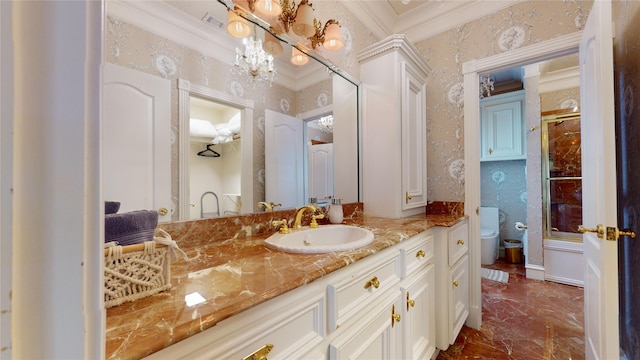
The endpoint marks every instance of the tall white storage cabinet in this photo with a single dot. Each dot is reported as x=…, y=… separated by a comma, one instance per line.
x=394, y=135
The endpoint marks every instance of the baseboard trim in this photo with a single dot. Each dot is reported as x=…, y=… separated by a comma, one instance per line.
x=535, y=272
x=566, y=281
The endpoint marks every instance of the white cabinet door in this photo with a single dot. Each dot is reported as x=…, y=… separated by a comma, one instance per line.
x=502, y=127
x=414, y=135
x=419, y=324
x=379, y=337
x=458, y=297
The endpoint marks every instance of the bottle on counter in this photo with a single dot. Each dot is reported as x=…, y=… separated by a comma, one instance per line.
x=336, y=214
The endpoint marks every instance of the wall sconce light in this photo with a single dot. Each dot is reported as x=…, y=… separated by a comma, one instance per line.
x=266, y=7
x=298, y=57
x=330, y=36
x=236, y=25
x=272, y=45
x=285, y=16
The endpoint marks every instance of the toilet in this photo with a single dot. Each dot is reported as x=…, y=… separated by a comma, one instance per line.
x=489, y=234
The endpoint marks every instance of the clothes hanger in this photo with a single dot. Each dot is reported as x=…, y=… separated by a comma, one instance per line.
x=209, y=152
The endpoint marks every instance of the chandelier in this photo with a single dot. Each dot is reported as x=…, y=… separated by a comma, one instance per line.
x=486, y=85
x=254, y=62
x=285, y=17
x=326, y=124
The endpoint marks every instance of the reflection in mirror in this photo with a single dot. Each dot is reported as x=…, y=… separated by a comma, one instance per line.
x=190, y=46
x=215, y=160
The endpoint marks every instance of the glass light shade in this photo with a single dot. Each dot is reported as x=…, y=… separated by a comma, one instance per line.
x=298, y=57
x=269, y=7
x=303, y=25
x=332, y=37
x=237, y=26
x=272, y=45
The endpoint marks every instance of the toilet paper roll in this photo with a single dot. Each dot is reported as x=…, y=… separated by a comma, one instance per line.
x=520, y=226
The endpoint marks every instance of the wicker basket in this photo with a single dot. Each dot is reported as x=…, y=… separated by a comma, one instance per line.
x=135, y=271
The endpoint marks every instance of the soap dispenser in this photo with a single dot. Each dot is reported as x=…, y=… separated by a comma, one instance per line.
x=335, y=211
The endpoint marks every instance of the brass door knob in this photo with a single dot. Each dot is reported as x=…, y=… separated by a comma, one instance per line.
x=455, y=283
x=407, y=197
x=163, y=211
x=599, y=229
x=460, y=242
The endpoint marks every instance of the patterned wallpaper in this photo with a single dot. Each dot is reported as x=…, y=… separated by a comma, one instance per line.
x=129, y=46
x=560, y=99
x=525, y=23
x=504, y=185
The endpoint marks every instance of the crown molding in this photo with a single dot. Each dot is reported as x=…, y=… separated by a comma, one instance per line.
x=395, y=43
x=425, y=21
x=560, y=80
x=431, y=20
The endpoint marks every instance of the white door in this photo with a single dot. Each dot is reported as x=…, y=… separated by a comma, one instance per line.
x=136, y=143
x=599, y=181
x=284, y=159
x=320, y=171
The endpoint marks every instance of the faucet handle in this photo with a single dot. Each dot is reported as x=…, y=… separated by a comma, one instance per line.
x=314, y=223
x=284, y=228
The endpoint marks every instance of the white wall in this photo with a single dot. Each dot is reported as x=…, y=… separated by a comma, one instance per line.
x=56, y=304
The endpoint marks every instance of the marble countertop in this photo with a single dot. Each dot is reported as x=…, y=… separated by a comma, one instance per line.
x=233, y=275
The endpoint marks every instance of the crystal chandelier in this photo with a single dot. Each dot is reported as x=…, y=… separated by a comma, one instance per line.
x=326, y=124
x=486, y=85
x=254, y=62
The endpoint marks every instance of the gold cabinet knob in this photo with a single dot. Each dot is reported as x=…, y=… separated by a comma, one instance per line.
x=373, y=282
x=394, y=317
x=410, y=302
x=460, y=242
x=455, y=283
x=407, y=197
x=163, y=211
x=420, y=253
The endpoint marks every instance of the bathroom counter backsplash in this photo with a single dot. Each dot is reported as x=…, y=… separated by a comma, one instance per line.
x=232, y=269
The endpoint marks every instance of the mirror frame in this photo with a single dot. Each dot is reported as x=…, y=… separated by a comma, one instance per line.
x=185, y=90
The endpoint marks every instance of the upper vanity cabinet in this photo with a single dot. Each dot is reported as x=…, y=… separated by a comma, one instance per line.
x=502, y=127
x=394, y=135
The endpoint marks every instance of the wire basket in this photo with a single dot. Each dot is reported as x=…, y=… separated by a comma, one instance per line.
x=135, y=271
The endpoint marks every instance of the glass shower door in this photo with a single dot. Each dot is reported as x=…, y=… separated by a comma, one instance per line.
x=562, y=174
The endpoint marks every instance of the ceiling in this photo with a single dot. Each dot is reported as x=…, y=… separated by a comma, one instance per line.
x=418, y=19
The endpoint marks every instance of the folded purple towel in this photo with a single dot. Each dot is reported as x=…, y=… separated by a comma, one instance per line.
x=111, y=207
x=130, y=228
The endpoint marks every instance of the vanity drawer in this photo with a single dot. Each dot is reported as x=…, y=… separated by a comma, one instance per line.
x=364, y=283
x=417, y=253
x=458, y=242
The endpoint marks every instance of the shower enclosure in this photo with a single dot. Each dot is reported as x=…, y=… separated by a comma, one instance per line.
x=561, y=170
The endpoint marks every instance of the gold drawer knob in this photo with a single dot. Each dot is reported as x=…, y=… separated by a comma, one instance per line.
x=460, y=242
x=420, y=253
x=373, y=282
x=455, y=283
x=163, y=211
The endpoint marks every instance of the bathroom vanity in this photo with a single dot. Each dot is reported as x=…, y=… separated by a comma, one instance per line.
x=376, y=301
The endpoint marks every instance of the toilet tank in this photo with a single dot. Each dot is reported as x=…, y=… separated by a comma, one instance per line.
x=489, y=218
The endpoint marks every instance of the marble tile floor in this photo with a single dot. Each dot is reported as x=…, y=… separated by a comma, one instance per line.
x=524, y=319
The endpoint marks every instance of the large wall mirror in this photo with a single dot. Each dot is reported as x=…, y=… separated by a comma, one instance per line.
x=241, y=165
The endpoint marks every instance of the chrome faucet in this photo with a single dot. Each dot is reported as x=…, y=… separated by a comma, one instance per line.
x=297, y=224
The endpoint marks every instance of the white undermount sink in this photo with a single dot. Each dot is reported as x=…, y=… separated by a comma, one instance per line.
x=324, y=239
